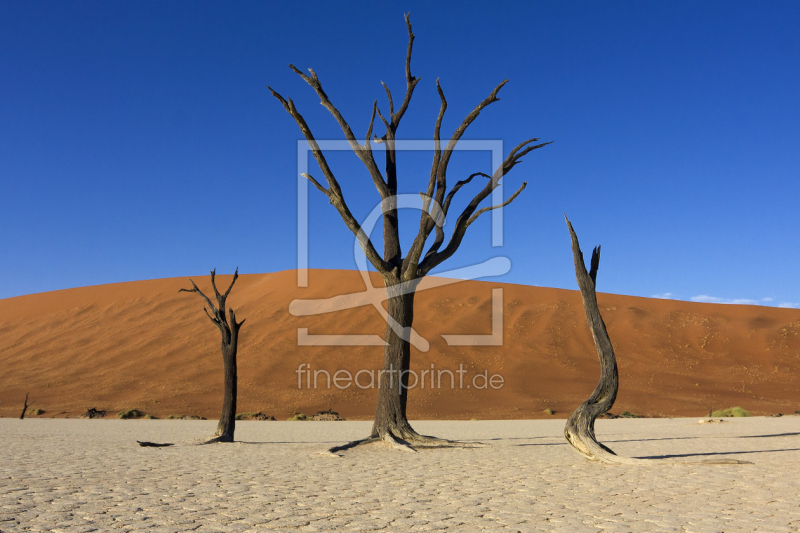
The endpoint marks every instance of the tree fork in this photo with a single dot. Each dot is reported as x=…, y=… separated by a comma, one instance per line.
x=579, y=430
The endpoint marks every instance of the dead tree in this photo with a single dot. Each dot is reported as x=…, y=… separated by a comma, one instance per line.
x=401, y=275
x=579, y=430
x=230, y=342
x=25, y=407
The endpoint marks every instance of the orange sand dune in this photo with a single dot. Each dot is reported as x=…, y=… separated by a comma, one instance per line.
x=143, y=345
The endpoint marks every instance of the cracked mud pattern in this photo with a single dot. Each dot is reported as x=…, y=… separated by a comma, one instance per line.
x=90, y=475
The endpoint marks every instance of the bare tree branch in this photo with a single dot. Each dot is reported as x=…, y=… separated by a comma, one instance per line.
x=485, y=209
x=451, y=144
x=434, y=257
x=426, y=223
x=446, y=206
x=312, y=142
x=206, y=298
x=411, y=81
x=235, y=277
x=443, y=213
x=371, y=122
x=213, y=319
x=334, y=193
x=364, y=155
x=437, y=140
x=233, y=318
x=214, y=285
x=516, y=156
x=392, y=252
x=322, y=189
x=595, y=258
x=389, y=97
x=439, y=170
x=385, y=123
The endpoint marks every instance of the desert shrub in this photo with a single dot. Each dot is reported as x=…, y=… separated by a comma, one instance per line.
x=171, y=417
x=548, y=411
x=329, y=415
x=130, y=413
x=298, y=416
x=255, y=416
x=628, y=414
x=37, y=412
x=731, y=411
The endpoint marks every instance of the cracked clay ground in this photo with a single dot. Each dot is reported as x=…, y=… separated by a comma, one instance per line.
x=90, y=475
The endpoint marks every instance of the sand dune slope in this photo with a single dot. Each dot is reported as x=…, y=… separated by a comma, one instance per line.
x=143, y=345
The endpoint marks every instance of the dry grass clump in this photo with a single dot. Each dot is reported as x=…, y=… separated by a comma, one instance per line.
x=254, y=416
x=130, y=413
x=730, y=411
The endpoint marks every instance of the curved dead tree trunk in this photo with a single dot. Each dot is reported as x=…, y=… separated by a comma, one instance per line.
x=579, y=430
x=401, y=275
x=229, y=329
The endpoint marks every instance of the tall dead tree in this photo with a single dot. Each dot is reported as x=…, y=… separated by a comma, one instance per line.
x=401, y=275
x=229, y=329
x=579, y=430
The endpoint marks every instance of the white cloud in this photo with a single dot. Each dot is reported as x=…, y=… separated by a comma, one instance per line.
x=704, y=298
x=665, y=296
x=707, y=299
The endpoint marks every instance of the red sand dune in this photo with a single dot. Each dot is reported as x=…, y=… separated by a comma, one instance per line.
x=143, y=345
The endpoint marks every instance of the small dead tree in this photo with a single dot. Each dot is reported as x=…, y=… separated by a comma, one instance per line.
x=230, y=340
x=401, y=275
x=25, y=407
x=579, y=430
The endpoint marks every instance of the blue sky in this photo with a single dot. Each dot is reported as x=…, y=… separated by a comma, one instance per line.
x=138, y=139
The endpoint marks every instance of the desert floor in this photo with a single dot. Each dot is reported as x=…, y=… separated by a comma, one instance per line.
x=90, y=475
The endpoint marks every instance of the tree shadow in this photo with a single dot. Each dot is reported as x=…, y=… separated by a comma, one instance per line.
x=288, y=442
x=655, y=438
x=715, y=453
x=766, y=436
x=521, y=438
x=543, y=444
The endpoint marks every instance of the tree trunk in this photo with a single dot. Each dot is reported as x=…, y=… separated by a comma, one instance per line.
x=227, y=420
x=390, y=414
x=579, y=430
x=25, y=407
x=230, y=342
